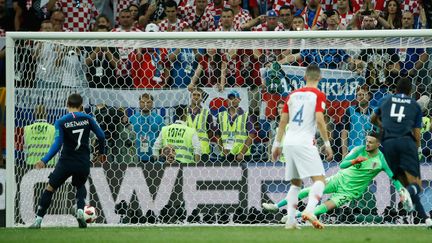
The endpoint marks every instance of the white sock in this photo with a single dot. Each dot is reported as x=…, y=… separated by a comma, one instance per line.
x=292, y=199
x=315, y=195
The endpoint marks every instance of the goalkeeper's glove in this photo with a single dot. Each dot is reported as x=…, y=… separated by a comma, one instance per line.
x=358, y=160
x=406, y=200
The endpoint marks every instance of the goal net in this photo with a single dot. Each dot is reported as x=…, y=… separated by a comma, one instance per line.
x=133, y=83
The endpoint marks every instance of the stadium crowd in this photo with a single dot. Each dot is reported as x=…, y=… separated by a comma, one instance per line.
x=173, y=68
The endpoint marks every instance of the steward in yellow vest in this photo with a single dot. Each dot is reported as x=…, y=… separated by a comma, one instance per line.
x=200, y=119
x=38, y=138
x=235, y=137
x=182, y=138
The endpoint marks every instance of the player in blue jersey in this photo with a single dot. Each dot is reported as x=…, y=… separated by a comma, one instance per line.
x=400, y=120
x=72, y=133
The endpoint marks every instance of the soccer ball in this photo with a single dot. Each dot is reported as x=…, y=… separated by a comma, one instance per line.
x=90, y=214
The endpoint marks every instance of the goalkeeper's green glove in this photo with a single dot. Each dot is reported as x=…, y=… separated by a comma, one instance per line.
x=420, y=153
x=358, y=160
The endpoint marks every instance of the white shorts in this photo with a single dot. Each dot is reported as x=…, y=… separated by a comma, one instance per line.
x=302, y=162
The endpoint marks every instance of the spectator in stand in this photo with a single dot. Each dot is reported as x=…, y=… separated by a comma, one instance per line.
x=46, y=26
x=101, y=64
x=393, y=14
x=286, y=17
x=211, y=71
x=324, y=58
x=80, y=15
x=365, y=13
x=197, y=17
x=29, y=14
x=298, y=23
x=126, y=22
x=102, y=20
x=119, y=5
x=134, y=9
x=149, y=66
x=329, y=20
x=171, y=23
x=151, y=12
x=356, y=121
x=215, y=9
x=48, y=60
x=183, y=64
x=227, y=21
x=123, y=73
x=147, y=126
x=271, y=23
x=6, y=19
x=105, y=7
x=379, y=64
x=73, y=67
x=57, y=19
x=311, y=13
x=299, y=6
x=345, y=12
x=408, y=61
x=241, y=16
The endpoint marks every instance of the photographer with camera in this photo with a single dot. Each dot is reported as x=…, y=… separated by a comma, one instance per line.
x=101, y=64
x=329, y=20
x=367, y=13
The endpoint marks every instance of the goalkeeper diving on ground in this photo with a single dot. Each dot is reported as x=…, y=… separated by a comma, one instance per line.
x=358, y=169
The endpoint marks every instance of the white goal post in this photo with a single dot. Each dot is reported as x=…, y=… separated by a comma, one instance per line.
x=243, y=174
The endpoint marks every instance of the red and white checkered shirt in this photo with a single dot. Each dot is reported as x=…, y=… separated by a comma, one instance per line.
x=345, y=19
x=242, y=17
x=279, y=3
x=188, y=14
x=233, y=28
x=79, y=15
x=119, y=5
x=178, y=26
x=214, y=11
x=124, y=52
x=264, y=27
x=411, y=5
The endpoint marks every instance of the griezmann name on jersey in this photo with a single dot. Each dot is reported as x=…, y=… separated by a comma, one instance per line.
x=72, y=131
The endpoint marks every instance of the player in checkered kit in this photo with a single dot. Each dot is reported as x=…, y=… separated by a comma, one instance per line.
x=171, y=23
x=80, y=14
x=197, y=17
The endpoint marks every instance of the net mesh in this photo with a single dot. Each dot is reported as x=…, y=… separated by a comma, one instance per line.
x=136, y=187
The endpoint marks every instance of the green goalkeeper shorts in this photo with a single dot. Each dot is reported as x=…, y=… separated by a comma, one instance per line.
x=339, y=195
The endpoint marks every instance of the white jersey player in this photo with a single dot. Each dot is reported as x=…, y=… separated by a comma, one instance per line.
x=304, y=109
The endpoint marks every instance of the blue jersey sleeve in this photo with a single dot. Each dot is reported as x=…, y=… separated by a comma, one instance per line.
x=99, y=134
x=58, y=142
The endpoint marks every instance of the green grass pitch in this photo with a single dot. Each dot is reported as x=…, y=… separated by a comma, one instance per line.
x=218, y=234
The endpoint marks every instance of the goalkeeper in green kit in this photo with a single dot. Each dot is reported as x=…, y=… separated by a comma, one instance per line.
x=358, y=169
